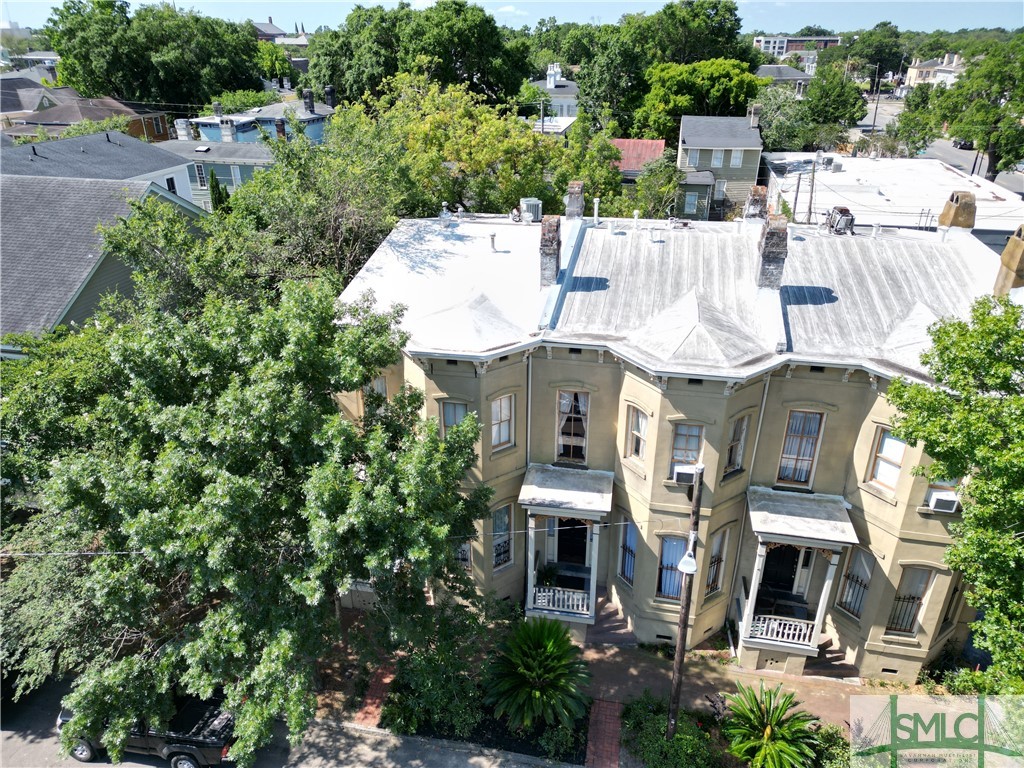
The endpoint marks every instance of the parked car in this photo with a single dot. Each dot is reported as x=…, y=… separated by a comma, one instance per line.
x=199, y=735
x=963, y=144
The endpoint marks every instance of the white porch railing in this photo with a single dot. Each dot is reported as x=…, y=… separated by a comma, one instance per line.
x=561, y=600
x=782, y=629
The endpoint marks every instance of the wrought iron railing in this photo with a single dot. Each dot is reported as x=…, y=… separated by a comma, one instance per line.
x=852, y=593
x=670, y=582
x=628, y=563
x=903, y=617
x=714, y=580
x=502, y=552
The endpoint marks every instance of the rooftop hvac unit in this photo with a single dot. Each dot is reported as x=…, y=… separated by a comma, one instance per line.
x=531, y=207
x=837, y=167
x=829, y=162
x=944, y=501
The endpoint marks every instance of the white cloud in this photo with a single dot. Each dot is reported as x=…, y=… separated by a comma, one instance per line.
x=511, y=10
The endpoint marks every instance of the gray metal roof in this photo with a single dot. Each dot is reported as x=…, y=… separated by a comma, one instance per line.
x=272, y=112
x=814, y=517
x=577, y=490
x=705, y=178
x=110, y=155
x=718, y=133
x=247, y=152
x=49, y=242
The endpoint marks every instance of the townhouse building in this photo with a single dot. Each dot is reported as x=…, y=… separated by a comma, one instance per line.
x=606, y=359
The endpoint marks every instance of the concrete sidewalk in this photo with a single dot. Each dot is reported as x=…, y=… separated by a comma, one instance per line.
x=345, y=745
x=621, y=674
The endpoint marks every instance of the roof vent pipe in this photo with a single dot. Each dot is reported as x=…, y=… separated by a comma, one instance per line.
x=876, y=230
x=494, y=248
x=597, y=205
x=636, y=219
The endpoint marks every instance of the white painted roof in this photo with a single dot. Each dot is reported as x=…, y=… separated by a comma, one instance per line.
x=816, y=517
x=680, y=301
x=580, y=490
x=893, y=192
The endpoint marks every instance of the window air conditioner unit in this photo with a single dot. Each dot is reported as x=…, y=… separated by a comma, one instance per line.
x=684, y=473
x=944, y=501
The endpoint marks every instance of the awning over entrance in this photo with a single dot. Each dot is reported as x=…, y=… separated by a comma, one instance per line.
x=587, y=493
x=801, y=518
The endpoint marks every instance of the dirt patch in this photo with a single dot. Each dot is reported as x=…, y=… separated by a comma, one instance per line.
x=339, y=696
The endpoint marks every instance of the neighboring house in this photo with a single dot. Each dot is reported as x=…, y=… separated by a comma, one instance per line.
x=21, y=96
x=807, y=61
x=233, y=164
x=299, y=41
x=890, y=192
x=556, y=126
x=944, y=71
x=147, y=124
x=109, y=155
x=269, y=31
x=245, y=127
x=563, y=94
x=47, y=59
x=605, y=360
x=38, y=74
x=783, y=74
x=636, y=153
x=780, y=45
x=54, y=268
x=721, y=157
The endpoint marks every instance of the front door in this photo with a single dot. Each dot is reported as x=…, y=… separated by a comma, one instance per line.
x=572, y=541
x=780, y=566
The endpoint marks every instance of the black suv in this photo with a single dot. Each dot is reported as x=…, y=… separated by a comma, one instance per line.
x=963, y=144
x=199, y=735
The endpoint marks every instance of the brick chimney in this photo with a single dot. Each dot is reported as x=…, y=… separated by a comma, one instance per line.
x=307, y=100
x=329, y=99
x=279, y=128
x=754, y=113
x=227, y=130
x=1011, y=267
x=959, y=211
x=574, y=201
x=774, y=246
x=550, y=249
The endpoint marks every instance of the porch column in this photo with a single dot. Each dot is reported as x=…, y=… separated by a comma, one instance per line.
x=531, y=531
x=755, y=584
x=595, y=532
x=826, y=590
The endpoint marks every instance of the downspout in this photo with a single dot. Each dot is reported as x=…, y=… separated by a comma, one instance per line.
x=746, y=505
x=529, y=402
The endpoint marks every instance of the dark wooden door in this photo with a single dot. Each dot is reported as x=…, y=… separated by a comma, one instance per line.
x=780, y=568
x=572, y=541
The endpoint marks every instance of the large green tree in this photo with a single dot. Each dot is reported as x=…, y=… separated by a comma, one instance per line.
x=986, y=104
x=782, y=119
x=158, y=54
x=833, y=99
x=972, y=425
x=717, y=87
x=878, y=50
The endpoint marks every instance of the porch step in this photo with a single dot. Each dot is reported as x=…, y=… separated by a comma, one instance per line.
x=824, y=643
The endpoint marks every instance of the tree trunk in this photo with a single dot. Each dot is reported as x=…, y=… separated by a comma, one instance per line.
x=992, y=155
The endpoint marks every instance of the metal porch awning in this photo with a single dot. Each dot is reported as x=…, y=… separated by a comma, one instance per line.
x=583, y=493
x=804, y=519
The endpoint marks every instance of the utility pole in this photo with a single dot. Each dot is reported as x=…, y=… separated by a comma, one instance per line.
x=878, y=96
x=796, y=197
x=688, y=567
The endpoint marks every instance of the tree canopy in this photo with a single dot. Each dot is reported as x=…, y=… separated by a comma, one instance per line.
x=158, y=54
x=972, y=426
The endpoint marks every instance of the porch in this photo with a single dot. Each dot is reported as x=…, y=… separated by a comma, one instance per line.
x=564, y=508
x=785, y=606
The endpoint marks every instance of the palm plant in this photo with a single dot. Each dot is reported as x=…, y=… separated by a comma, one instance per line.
x=767, y=731
x=538, y=676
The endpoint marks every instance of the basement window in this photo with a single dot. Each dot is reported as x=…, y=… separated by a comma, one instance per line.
x=452, y=362
x=695, y=382
x=575, y=351
x=817, y=369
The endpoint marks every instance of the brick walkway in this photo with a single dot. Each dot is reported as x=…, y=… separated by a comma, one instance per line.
x=369, y=715
x=603, y=740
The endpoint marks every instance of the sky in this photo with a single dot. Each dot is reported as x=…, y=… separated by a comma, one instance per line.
x=765, y=15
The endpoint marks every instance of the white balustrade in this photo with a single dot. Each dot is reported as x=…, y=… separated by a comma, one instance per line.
x=561, y=600
x=782, y=629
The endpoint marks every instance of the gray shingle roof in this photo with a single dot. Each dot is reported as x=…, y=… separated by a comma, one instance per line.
x=269, y=28
x=781, y=72
x=47, y=257
x=89, y=157
x=238, y=152
x=718, y=133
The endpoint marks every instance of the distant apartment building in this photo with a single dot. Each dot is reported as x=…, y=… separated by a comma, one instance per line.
x=780, y=45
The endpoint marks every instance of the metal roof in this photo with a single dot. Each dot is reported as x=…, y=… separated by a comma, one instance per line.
x=817, y=518
x=584, y=491
x=781, y=72
x=718, y=133
x=272, y=112
x=108, y=155
x=247, y=152
x=636, y=153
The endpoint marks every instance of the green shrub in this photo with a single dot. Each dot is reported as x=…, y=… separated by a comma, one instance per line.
x=559, y=741
x=831, y=748
x=537, y=676
x=970, y=682
x=644, y=722
x=766, y=730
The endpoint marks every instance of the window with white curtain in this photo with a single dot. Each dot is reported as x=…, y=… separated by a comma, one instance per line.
x=451, y=414
x=800, y=448
x=573, y=407
x=501, y=422
x=637, y=440
x=670, y=579
x=687, y=440
x=885, y=468
x=736, y=158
